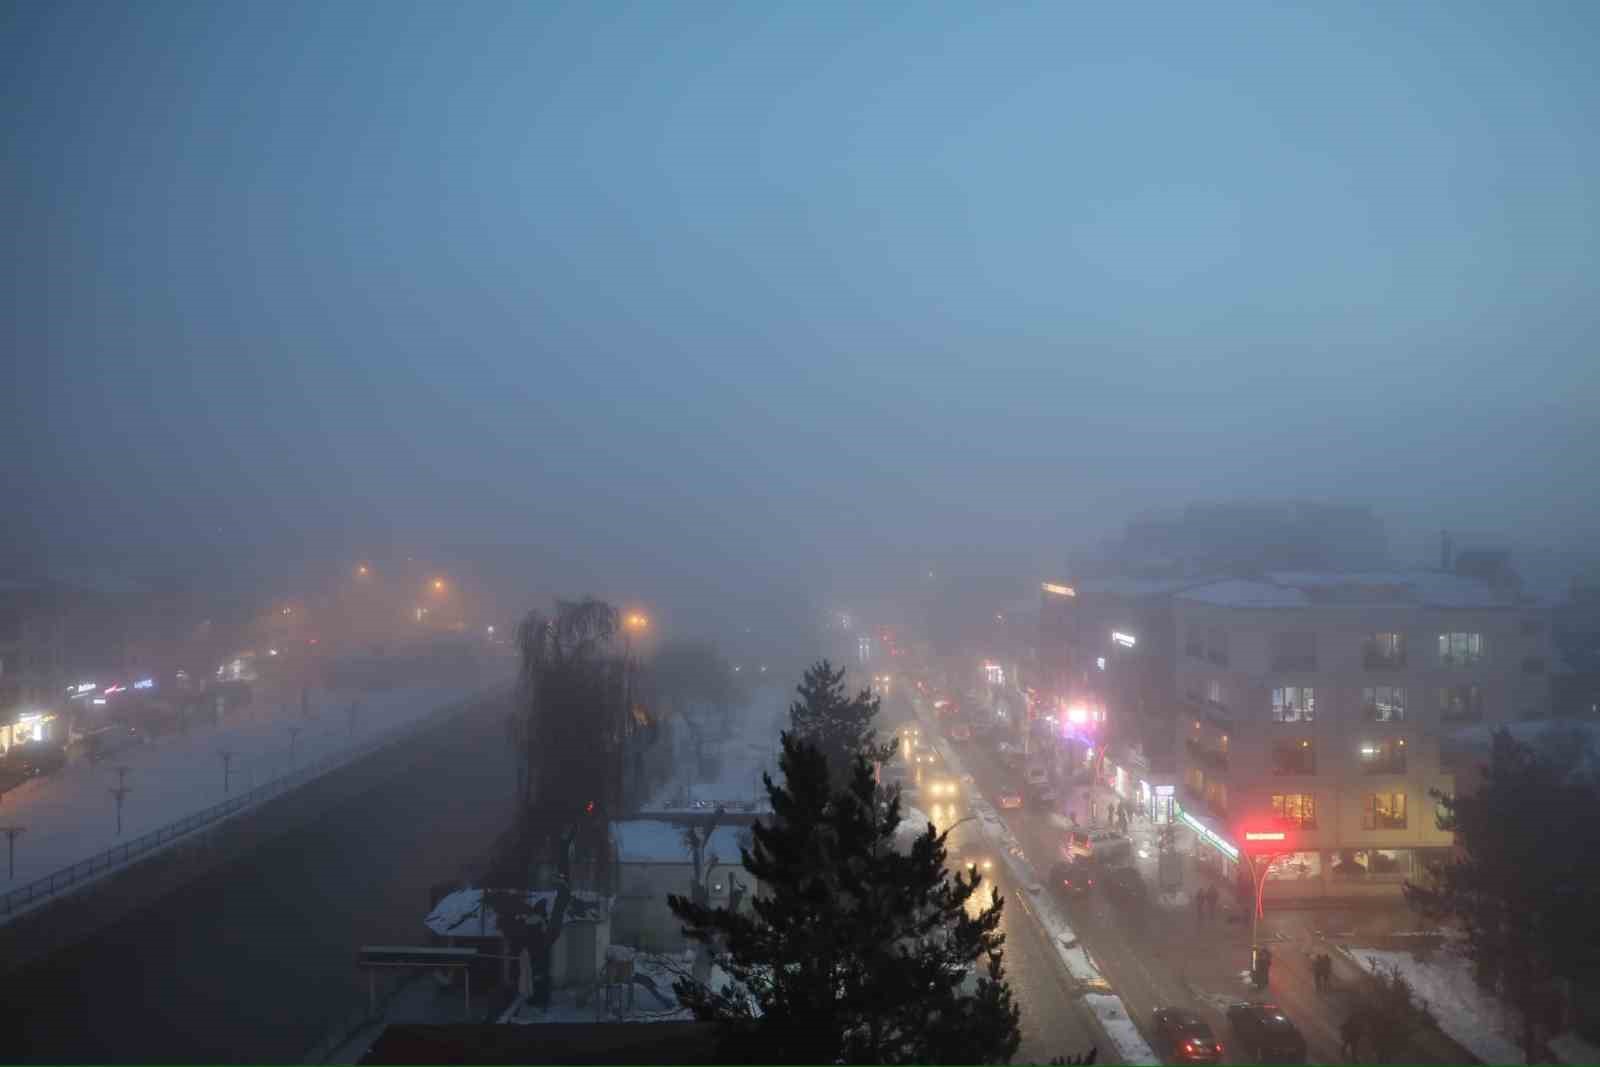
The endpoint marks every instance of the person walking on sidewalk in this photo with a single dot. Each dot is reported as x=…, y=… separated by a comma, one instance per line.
x=1350, y=1038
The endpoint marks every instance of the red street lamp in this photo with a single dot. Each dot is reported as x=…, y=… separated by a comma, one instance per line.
x=1270, y=845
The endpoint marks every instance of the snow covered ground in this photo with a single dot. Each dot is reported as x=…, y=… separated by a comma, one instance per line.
x=742, y=759
x=72, y=814
x=1477, y=1021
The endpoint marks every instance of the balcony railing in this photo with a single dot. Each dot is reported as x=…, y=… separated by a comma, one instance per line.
x=1374, y=660
x=1294, y=663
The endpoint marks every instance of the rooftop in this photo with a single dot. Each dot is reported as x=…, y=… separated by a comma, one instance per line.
x=661, y=841
x=462, y=914
x=1304, y=589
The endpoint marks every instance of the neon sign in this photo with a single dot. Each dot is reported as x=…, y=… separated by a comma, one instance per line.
x=1125, y=640
x=1059, y=590
x=145, y=683
x=1209, y=836
x=1264, y=836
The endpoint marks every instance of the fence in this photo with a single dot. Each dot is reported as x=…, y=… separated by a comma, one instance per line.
x=54, y=885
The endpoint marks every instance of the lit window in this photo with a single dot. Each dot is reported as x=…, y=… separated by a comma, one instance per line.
x=1294, y=703
x=1299, y=809
x=1384, y=757
x=1384, y=811
x=1384, y=703
x=1460, y=649
x=1385, y=649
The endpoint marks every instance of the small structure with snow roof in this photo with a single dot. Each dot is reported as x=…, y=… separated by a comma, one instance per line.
x=466, y=919
x=654, y=858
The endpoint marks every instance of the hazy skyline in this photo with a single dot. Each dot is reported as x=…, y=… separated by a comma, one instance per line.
x=695, y=292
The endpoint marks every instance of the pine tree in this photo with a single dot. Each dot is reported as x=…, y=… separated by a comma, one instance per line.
x=1525, y=900
x=851, y=951
x=840, y=726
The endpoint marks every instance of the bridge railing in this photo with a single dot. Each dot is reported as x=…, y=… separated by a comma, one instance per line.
x=76, y=874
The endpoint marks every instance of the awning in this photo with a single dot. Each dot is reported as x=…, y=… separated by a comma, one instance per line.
x=1207, y=833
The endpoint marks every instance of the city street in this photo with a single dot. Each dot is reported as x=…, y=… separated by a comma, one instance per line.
x=1160, y=954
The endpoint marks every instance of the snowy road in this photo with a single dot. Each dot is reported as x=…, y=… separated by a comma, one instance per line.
x=72, y=815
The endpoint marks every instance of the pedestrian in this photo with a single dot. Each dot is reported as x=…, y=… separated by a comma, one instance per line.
x=1350, y=1038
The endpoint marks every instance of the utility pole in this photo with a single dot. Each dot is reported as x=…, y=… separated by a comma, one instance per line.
x=121, y=791
x=294, y=735
x=12, y=833
x=227, y=768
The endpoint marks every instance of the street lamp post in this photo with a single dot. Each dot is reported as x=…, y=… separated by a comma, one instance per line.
x=12, y=833
x=227, y=768
x=121, y=791
x=1259, y=879
x=294, y=736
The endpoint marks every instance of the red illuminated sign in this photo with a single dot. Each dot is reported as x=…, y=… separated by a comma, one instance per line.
x=1275, y=835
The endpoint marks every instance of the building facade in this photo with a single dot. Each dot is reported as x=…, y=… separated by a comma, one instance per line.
x=1314, y=706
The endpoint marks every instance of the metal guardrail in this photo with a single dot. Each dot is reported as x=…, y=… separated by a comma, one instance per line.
x=55, y=884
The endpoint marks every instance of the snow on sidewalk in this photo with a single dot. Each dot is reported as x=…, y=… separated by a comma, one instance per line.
x=1475, y=1020
x=71, y=815
x=1107, y=1007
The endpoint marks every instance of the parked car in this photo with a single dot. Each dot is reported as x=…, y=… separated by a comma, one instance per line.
x=1181, y=1036
x=1266, y=1033
x=1125, y=888
x=1009, y=798
x=1044, y=797
x=1104, y=847
x=1070, y=879
x=1036, y=776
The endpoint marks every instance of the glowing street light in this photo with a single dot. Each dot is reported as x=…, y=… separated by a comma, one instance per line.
x=438, y=585
x=635, y=621
x=363, y=570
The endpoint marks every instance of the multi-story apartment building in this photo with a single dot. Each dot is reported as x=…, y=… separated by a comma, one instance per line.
x=1314, y=706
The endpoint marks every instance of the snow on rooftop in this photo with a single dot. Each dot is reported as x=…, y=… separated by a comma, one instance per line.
x=463, y=914
x=1240, y=593
x=660, y=841
x=1123, y=585
x=1294, y=589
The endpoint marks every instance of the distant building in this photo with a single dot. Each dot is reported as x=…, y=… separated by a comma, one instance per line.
x=1314, y=706
x=1575, y=636
x=1243, y=537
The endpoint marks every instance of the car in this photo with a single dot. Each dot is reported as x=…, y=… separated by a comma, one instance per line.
x=1008, y=798
x=1264, y=1031
x=943, y=788
x=1036, y=775
x=961, y=732
x=1043, y=797
x=1125, y=888
x=1070, y=879
x=1105, y=847
x=1181, y=1036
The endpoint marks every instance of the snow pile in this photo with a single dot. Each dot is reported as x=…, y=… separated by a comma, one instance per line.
x=652, y=999
x=1113, y=1017
x=1474, y=1019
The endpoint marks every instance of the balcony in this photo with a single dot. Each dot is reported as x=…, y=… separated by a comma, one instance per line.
x=1294, y=663
x=1374, y=660
x=1209, y=758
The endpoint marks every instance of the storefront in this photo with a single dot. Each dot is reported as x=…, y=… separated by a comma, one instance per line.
x=30, y=727
x=1215, y=850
